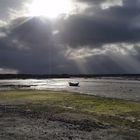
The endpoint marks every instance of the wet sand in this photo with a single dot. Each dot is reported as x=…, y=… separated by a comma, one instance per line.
x=22, y=120
x=24, y=124
x=113, y=88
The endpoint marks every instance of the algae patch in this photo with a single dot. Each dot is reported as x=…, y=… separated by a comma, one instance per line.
x=112, y=111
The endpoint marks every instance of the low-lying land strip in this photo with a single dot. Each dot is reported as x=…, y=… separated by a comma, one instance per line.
x=63, y=115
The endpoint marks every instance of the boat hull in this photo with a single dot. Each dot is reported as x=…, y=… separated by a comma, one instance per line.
x=74, y=84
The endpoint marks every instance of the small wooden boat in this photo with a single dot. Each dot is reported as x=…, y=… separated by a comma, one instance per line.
x=75, y=84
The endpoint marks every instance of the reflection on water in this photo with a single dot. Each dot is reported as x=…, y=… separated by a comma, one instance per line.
x=125, y=89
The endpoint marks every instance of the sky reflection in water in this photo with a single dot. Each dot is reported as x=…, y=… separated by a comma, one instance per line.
x=125, y=89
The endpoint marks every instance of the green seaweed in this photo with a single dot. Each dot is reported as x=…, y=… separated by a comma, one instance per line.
x=112, y=111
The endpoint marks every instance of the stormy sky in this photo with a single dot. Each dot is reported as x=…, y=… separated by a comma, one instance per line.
x=94, y=37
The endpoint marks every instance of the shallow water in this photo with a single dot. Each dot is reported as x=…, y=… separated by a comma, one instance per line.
x=114, y=88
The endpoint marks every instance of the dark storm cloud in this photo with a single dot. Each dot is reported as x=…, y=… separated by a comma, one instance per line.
x=39, y=45
x=29, y=47
x=111, y=25
x=104, y=64
x=33, y=31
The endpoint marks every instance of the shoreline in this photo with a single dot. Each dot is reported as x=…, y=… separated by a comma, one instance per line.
x=60, y=115
x=71, y=92
x=114, y=89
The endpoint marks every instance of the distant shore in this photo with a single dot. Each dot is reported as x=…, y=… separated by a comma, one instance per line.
x=60, y=115
x=44, y=76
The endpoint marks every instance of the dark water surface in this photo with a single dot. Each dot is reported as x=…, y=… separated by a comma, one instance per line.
x=116, y=88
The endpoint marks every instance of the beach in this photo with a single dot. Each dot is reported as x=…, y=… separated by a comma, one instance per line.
x=60, y=115
x=113, y=87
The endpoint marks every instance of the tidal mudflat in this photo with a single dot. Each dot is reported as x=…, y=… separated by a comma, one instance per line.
x=67, y=116
x=120, y=88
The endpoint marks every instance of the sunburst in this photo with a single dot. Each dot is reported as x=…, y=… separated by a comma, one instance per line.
x=50, y=8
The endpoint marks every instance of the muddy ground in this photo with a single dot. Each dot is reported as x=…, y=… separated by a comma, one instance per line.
x=17, y=123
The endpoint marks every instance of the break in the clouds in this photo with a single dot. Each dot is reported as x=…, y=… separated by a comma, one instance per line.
x=102, y=37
